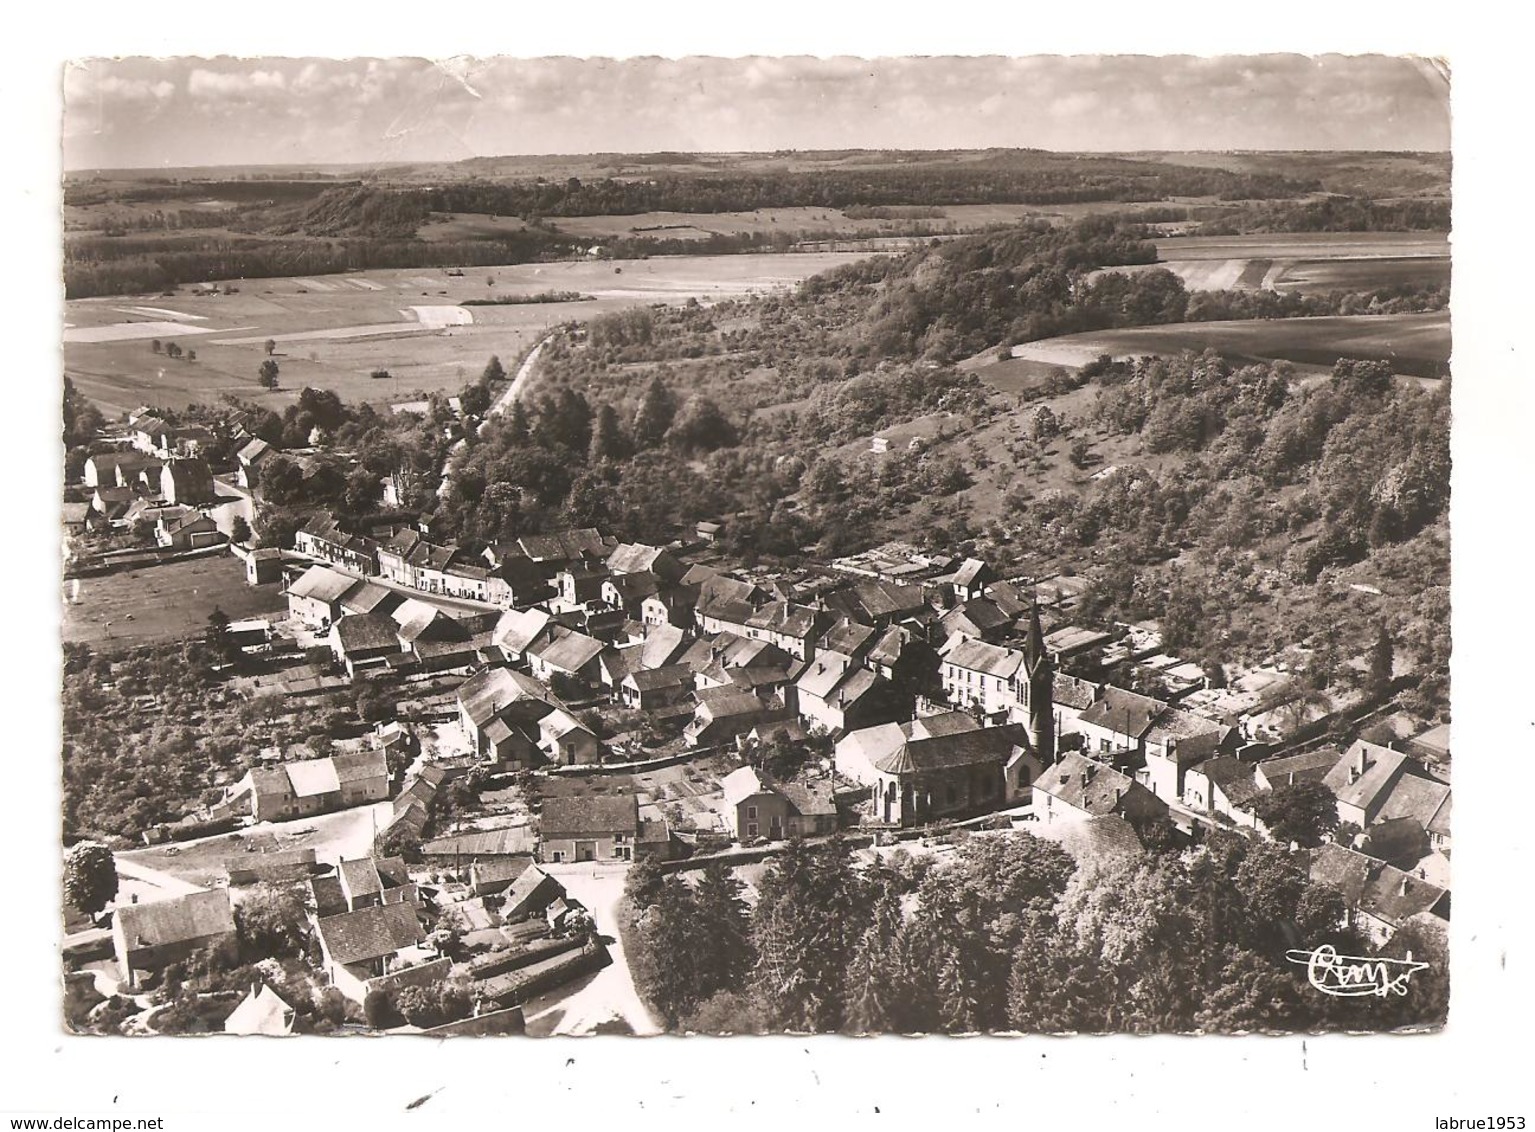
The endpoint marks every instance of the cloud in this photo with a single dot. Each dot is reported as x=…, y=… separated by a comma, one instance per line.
x=218, y=86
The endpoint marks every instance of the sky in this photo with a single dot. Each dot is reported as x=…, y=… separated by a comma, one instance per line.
x=177, y=112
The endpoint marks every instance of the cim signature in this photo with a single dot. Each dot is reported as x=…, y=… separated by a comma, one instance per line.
x=1350, y=976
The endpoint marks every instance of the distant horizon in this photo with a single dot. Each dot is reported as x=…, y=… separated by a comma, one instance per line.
x=733, y=152
x=144, y=113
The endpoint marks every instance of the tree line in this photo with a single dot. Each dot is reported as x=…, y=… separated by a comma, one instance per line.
x=1009, y=934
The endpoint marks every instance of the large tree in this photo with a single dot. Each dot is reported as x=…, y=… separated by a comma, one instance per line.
x=90, y=877
x=810, y=914
x=657, y=410
x=1305, y=812
x=271, y=923
x=266, y=376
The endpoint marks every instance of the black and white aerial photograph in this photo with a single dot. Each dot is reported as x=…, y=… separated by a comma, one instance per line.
x=934, y=587
x=853, y=545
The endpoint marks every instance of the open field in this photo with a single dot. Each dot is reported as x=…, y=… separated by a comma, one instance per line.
x=1304, y=261
x=1305, y=245
x=1415, y=344
x=408, y=322
x=164, y=602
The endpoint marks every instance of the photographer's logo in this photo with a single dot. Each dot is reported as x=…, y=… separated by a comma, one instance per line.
x=1353, y=976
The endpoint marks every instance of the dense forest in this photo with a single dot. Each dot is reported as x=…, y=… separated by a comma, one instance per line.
x=1007, y=934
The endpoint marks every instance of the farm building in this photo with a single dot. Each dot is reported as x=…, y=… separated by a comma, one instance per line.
x=149, y=937
x=315, y=598
x=592, y=828
x=313, y=786
x=362, y=640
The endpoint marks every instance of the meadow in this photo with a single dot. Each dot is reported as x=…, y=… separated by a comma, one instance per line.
x=335, y=331
x=163, y=602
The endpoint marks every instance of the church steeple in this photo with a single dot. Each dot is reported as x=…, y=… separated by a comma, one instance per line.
x=1039, y=687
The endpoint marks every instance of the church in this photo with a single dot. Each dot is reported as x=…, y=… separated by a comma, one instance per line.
x=951, y=764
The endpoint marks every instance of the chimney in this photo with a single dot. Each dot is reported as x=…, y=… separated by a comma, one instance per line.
x=133, y=898
x=1403, y=890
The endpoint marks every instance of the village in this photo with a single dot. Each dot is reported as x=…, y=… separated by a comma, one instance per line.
x=566, y=706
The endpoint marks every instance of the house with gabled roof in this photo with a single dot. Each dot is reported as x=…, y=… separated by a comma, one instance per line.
x=662, y=645
x=565, y=653
x=970, y=580
x=979, y=675
x=187, y=531
x=152, y=936
x=1118, y=722
x=326, y=539
x=566, y=740
x=629, y=592
x=312, y=786
x=758, y=805
x=252, y=454
x=369, y=597
x=1312, y=766
x=496, y=706
x=978, y=619
x=1362, y=781
x=517, y=629
x=648, y=689
x=793, y=628
x=551, y=551
x=1223, y=785
x=1176, y=741
x=723, y=714
x=369, y=943
x=837, y=694
x=637, y=558
x=315, y=596
x=361, y=641
x=670, y=605
x=879, y=603
x=362, y=882
x=1378, y=898
x=848, y=638
x=1077, y=787
x=590, y=827
x=1070, y=696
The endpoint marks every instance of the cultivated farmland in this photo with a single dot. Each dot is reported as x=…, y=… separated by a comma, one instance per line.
x=1415, y=344
x=334, y=332
x=1304, y=261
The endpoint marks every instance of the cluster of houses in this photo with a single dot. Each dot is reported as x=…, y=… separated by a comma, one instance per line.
x=375, y=926
x=159, y=476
